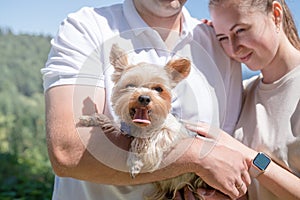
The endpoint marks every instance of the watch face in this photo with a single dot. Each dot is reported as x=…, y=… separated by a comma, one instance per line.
x=261, y=161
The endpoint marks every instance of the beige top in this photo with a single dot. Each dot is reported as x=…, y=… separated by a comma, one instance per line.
x=270, y=122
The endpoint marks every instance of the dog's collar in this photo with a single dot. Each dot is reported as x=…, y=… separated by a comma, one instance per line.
x=125, y=129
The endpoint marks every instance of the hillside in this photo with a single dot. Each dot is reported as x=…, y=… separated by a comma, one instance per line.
x=25, y=171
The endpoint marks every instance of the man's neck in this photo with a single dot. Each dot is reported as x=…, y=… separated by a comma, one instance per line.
x=163, y=25
x=168, y=29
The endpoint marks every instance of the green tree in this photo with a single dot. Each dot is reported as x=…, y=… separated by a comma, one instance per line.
x=25, y=171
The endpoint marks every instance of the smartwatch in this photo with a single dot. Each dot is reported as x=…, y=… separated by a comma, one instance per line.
x=259, y=164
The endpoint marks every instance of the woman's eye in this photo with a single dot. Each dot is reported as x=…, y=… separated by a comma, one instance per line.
x=239, y=31
x=221, y=39
x=158, y=89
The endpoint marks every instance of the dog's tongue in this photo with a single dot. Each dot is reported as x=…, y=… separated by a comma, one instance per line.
x=141, y=116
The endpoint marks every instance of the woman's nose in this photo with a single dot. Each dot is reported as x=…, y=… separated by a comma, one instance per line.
x=235, y=47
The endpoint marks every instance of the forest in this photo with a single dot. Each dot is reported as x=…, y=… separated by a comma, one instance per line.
x=25, y=171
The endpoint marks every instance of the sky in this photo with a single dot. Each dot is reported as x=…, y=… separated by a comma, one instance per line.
x=44, y=17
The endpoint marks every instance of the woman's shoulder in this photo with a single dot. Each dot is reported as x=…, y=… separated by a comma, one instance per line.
x=250, y=82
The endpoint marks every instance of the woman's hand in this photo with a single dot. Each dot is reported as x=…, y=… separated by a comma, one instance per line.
x=226, y=150
x=223, y=138
x=207, y=22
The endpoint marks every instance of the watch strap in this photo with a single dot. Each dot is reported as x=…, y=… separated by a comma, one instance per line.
x=254, y=171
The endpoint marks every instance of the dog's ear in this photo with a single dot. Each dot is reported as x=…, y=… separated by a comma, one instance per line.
x=178, y=69
x=118, y=59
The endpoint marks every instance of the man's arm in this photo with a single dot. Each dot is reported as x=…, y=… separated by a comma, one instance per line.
x=68, y=153
x=68, y=150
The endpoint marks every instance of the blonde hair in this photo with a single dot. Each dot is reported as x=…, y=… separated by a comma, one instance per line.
x=289, y=26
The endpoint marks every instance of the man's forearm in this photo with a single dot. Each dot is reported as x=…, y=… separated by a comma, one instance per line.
x=85, y=152
x=90, y=168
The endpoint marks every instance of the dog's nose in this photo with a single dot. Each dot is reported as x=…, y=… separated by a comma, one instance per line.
x=144, y=100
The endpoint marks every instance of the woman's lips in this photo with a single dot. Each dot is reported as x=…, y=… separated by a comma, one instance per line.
x=246, y=58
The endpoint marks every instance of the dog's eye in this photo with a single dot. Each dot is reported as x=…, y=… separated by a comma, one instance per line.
x=130, y=86
x=158, y=89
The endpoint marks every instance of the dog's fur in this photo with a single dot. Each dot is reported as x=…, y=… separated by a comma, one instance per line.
x=141, y=98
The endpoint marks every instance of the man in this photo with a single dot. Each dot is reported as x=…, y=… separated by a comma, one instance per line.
x=91, y=165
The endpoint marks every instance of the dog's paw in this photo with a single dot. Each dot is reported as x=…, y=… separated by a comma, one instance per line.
x=134, y=171
x=88, y=120
x=135, y=165
x=99, y=120
x=94, y=120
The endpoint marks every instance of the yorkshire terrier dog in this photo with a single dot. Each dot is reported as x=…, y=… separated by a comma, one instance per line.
x=141, y=98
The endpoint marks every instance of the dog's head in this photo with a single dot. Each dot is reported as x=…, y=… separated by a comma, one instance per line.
x=142, y=93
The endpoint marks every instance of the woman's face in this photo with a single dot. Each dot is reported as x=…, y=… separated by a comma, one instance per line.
x=248, y=37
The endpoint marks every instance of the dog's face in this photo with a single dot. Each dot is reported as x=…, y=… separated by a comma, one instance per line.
x=142, y=93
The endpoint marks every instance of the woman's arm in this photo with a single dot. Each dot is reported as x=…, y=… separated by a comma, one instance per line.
x=281, y=182
x=276, y=179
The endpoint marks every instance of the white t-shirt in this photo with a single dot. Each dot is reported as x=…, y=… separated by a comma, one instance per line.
x=80, y=55
x=270, y=123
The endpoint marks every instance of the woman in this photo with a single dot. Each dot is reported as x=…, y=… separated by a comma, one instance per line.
x=262, y=35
